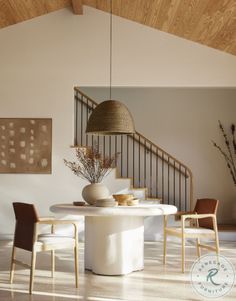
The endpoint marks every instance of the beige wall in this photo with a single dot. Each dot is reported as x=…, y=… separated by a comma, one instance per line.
x=42, y=59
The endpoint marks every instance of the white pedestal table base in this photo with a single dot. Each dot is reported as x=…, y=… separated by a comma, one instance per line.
x=114, y=245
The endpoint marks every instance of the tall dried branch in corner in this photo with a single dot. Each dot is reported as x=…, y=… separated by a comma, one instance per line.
x=91, y=165
x=230, y=154
x=233, y=137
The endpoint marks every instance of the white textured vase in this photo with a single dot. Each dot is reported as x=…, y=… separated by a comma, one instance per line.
x=93, y=192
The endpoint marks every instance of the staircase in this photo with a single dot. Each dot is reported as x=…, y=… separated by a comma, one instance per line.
x=149, y=166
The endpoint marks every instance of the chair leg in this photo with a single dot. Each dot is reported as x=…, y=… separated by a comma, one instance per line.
x=76, y=266
x=217, y=244
x=216, y=237
x=164, y=247
x=198, y=247
x=32, y=269
x=52, y=262
x=183, y=254
x=52, y=255
x=164, y=239
x=12, y=264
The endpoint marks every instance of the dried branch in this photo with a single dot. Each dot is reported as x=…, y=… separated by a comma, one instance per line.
x=227, y=143
x=226, y=157
x=230, y=156
x=233, y=137
x=91, y=165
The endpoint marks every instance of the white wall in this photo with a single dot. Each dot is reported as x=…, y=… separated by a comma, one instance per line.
x=42, y=59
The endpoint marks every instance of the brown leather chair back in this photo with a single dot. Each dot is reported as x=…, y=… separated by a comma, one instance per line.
x=204, y=206
x=26, y=217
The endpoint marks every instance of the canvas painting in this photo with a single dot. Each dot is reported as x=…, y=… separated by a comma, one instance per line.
x=25, y=145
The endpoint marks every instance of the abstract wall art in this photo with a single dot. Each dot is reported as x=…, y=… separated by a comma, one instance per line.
x=25, y=145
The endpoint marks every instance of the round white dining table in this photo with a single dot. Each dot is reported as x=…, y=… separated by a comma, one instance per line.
x=114, y=236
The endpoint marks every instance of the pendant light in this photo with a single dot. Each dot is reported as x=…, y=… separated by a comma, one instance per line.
x=110, y=117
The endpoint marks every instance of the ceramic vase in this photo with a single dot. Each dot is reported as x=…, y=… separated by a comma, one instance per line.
x=93, y=192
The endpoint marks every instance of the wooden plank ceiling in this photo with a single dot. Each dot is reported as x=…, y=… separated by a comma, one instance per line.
x=15, y=11
x=209, y=22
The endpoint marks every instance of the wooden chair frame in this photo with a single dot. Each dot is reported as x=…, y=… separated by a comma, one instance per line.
x=46, y=247
x=183, y=235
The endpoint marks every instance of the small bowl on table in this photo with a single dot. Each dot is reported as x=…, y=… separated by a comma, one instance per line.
x=108, y=202
x=133, y=202
x=123, y=199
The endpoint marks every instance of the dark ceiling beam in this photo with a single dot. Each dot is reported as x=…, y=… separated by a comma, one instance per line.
x=77, y=6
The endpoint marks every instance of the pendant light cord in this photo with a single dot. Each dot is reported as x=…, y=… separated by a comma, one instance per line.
x=110, y=45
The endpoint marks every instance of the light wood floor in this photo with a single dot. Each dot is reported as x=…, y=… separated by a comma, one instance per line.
x=155, y=282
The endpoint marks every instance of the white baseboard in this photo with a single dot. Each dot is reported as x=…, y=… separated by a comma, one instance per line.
x=223, y=236
x=11, y=236
x=227, y=236
x=6, y=236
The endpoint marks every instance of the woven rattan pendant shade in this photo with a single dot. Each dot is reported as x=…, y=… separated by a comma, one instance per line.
x=111, y=117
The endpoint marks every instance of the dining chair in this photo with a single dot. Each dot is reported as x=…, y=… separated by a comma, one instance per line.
x=27, y=236
x=204, y=215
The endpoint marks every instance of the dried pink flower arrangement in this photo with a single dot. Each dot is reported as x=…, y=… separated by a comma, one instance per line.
x=91, y=165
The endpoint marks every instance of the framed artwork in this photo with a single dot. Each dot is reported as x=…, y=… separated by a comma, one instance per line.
x=25, y=145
